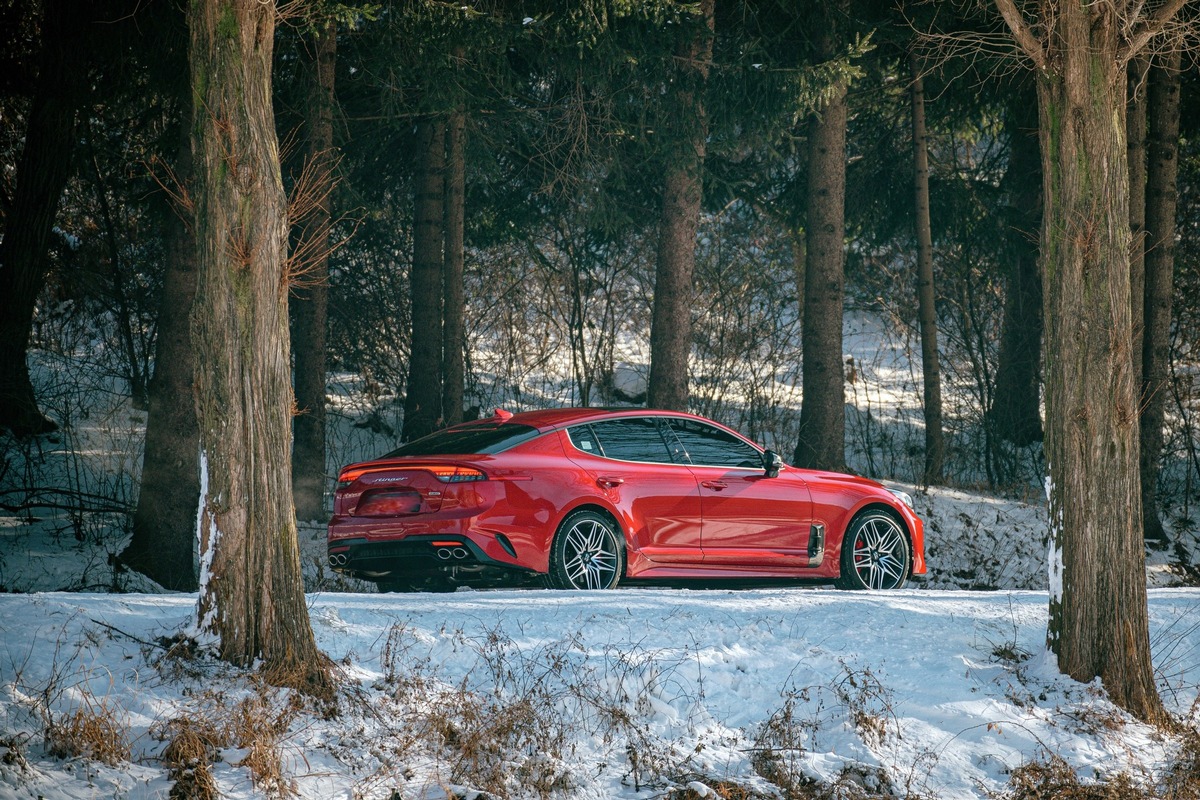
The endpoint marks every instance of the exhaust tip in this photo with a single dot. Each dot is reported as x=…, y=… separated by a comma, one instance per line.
x=444, y=553
x=460, y=553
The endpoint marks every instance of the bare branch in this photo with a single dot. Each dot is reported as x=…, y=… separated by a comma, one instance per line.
x=1147, y=29
x=1022, y=34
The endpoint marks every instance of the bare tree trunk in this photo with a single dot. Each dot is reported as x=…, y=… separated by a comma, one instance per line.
x=454, y=304
x=310, y=300
x=251, y=590
x=41, y=175
x=822, y=441
x=926, y=300
x=799, y=260
x=1098, y=620
x=422, y=403
x=1016, y=403
x=164, y=525
x=683, y=191
x=1163, y=138
x=1135, y=128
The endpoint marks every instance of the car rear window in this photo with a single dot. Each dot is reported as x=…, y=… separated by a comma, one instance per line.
x=471, y=439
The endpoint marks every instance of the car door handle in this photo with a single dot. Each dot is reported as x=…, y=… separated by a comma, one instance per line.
x=716, y=486
x=609, y=481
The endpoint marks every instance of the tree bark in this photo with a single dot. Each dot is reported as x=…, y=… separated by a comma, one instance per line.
x=310, y=298
x=422, y=402
x=1098, y=622
x=454, y=303
x=164, y=524
x=926, y=300
x=822, y=440
x=251, y=590
x=1163, y=164
x=1135, y=127
x=1015, y=413
x=41, y=175
x=683, y=192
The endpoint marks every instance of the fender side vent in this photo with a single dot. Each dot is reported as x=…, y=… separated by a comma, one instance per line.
x=506, y=544
x=816, y=544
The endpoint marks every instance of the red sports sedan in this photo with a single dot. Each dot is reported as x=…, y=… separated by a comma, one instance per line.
x=586, y=498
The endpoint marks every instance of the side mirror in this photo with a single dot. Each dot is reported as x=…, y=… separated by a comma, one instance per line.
x=772, y=463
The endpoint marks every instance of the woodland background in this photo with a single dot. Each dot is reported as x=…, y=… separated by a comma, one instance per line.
x=552, y=131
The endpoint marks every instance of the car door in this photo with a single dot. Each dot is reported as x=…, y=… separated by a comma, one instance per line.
x=629, y=459
x=749, y=519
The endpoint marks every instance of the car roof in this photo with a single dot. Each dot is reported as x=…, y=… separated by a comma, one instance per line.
x=551, y=418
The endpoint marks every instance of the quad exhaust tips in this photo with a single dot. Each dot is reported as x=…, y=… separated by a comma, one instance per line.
x=443, y=553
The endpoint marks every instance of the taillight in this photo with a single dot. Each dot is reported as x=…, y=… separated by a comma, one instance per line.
x=444, y=473
x=456, y=474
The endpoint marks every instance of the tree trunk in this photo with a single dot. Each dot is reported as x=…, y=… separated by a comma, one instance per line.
x=1135, y=127
x=926, y=301
x=251, y=591
x=41, y=175
x=822, y=441
x=1016, y=403
x=1163, y=141
x=422, y=403
x=164, y=524
x=1098, y=621
x=454, y=304
x=683, y=191
x=310, y=299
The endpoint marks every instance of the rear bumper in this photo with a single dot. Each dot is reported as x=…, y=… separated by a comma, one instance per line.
x=390, y=550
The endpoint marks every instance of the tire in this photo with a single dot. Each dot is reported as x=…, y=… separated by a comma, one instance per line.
x=588, y=553
x=875, y=553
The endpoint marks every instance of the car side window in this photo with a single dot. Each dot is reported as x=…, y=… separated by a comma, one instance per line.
x=713, y=447
x=631, y=439
x=584, y=438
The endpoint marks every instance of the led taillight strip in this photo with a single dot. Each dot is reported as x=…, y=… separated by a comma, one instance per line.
x=446, y=473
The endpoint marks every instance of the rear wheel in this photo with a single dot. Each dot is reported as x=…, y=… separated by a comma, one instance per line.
x=588, y=553
x=875, y=553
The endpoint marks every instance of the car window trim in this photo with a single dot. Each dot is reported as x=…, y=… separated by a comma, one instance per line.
x=664, y=424
x=600, y=442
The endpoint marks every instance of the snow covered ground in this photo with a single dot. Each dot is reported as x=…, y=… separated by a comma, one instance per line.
x=585, y=694
x=936, y=691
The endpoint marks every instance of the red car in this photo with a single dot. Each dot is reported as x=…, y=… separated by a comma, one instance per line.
x=588, y=497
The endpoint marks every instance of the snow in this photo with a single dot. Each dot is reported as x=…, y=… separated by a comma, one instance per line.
x=927, y=686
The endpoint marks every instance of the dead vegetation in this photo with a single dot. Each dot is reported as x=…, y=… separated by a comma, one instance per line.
x=510, y=729
x=92, y=731
x=258, y=724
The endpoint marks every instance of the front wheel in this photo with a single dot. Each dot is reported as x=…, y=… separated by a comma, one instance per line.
x=875, y=553
x=588, y=553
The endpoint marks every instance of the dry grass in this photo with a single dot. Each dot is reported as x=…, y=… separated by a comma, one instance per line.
x=1055, y=779
x=91, y=731
x=189, y=755
x=1183, y=779
x=258, y=723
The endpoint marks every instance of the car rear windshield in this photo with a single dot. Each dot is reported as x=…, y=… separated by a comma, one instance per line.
x=478, y=439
